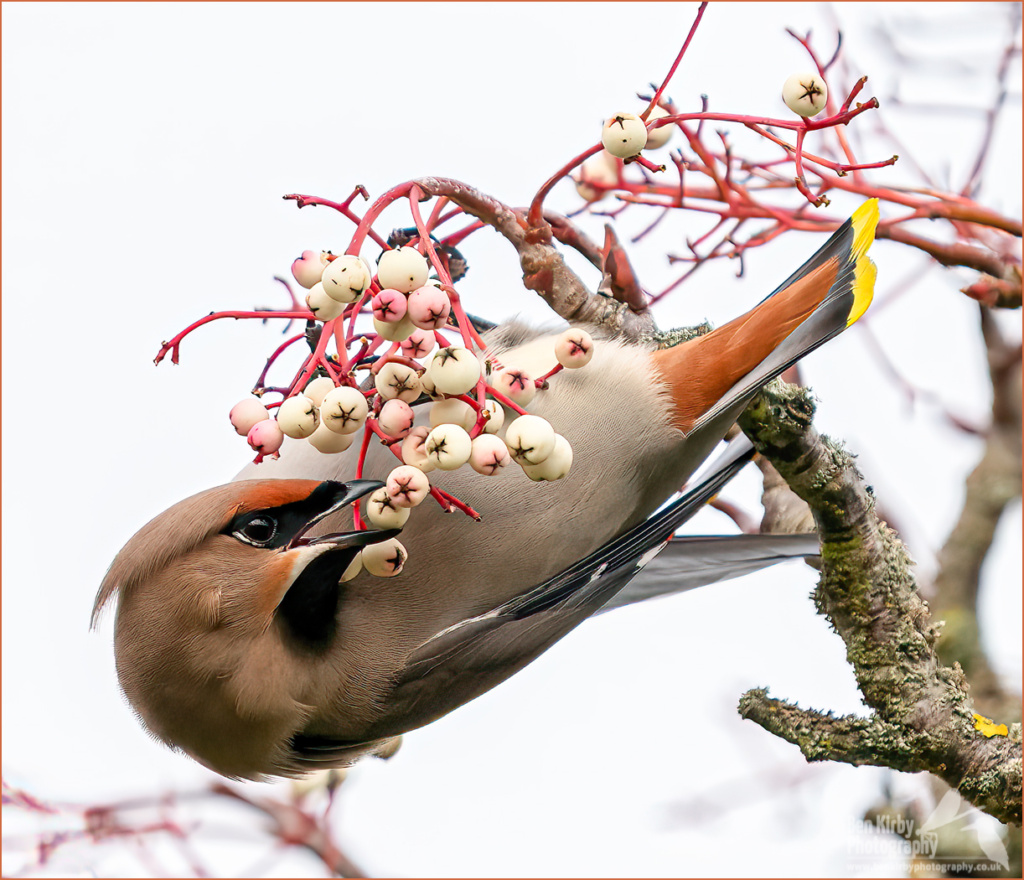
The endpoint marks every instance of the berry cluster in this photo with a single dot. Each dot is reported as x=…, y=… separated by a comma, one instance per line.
x=468, y=393
x=626, y=135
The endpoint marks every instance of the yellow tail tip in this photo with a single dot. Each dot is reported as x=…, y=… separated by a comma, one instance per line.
x=865, y=220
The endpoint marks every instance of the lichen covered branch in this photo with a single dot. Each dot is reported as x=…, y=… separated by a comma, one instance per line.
x=923, y=717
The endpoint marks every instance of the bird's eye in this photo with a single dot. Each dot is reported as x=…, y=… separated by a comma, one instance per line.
x=259, y=531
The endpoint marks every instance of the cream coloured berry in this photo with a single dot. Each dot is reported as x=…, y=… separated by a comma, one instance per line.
x=805, y=93
x=396, y=418
x=397, y=332
x=397, y=381
x=344, y=410
x=318, y=389
x=452, y=412
x=346, y=278
x=515, y=384
x=321, y=305
x=454, y=370
x=530, y=439
x=384, y=559
x=389, y=306
x=265, y=437
x=324, y=440
x=574, y=348
x=448, y=447
x=382, y=512
x=429, y=308
x=247, y=413
x=624, y=135
x=354, y=567
x=408, y=486
x=403, y=269
x=555, y=466
x=427, y=384
x=488, y=455
x=496, y=416
x=658, y=137
x=298, y=416
x=307, y=269
x=598, y=174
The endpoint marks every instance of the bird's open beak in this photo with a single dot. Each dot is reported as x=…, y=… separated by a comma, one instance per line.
x=343, y=495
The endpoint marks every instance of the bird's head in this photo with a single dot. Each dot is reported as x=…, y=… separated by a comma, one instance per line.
x=224, y=604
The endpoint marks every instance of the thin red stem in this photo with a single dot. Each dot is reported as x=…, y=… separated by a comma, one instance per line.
x=675, y=64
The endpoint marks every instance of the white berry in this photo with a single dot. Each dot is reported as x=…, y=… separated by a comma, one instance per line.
x=397, y=381
x=658, y=137
x=414, y=452
x=247, y=413
x=448, y=447
x=344, y=410
x=318, y=389
x=489, y=455
x=624, y=135
x=403, y=269
x=517, y=385
x=805, y=93
x=574, y=348
x=530, y=439
x=408, y=486
x=346, y=278
x=321, y=305
x=382, y=512
x=555, y=466
x=452, y=412
x=454, y=370
x=385, y=559
x=324, y=440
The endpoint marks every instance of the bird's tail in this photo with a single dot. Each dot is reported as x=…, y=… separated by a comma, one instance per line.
x=719, y=372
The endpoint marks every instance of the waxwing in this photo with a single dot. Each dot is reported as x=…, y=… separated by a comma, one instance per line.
x=237, y=641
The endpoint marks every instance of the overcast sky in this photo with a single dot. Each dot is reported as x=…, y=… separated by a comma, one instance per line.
x=145, y=152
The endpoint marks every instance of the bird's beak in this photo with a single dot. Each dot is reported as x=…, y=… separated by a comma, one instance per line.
x=343, y=495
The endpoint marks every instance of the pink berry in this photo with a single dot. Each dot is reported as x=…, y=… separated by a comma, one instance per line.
x=396, y=418
x=574, y=348
x=407, y=486
x=414, y=450
x=265, y=437
x=489, y=455
x=517, y=385
x=307, y=269
x=429, y=308
x=389, y=306
x=247, y=413
x=419, y=345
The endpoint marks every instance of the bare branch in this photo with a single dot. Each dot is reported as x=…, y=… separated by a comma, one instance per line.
x=544, y=270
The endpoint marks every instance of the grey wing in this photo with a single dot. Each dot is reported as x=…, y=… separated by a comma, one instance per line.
x=467, y=659
x=696, y=560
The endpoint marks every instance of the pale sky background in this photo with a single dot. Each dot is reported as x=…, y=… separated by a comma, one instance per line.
x=145, y=152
